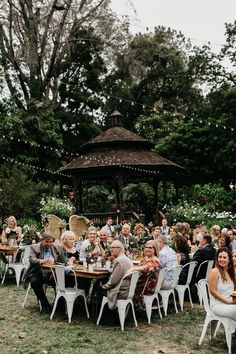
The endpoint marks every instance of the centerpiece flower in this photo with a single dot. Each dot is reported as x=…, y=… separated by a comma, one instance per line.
x=30, y=235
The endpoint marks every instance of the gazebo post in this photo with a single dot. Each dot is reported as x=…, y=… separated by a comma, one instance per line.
x=120, y=194
x=79, y=199
x=155, y=183
x=164, y=190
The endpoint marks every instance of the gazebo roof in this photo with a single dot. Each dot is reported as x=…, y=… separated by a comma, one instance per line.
x=115, y=136
x=115, y=148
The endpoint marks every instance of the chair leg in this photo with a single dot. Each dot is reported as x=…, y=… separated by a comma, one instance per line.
x=54, y=307
x=181, y=292
x=217, y=328
x=86, y=307
x=159, y=308
x=190, y=297
x=121, y=312
x=70, y=306
x=104, y=301
x=213, y=328
x=176, y=310
x=5, y=272
x=165, y=300
x=148, y=307
x=18, y=270
x=203, y=331
x=135, y=321
x=228, y=338
x=26, y=296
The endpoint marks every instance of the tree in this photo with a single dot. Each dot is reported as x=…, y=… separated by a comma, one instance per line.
x=153, y=73
x=34, y=37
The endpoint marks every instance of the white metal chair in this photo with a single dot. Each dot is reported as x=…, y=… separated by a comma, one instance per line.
x=18, y=267
x=68, y=293
x=148, y=299
x=211, y=318
x=209, y=265
x=122, y=304
x=181, y=288
x=165, y=293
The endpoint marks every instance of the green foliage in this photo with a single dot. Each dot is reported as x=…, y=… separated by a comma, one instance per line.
x=194, y=213
x=62, y=208
x=139, y=197
x=96, y=198
x=19, y=195
x=154, y=73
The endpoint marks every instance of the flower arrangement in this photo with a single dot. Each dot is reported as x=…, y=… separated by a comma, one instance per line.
x=11, y=234
x=30, y=235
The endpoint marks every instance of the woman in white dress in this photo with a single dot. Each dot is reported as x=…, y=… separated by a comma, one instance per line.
x=222, y=283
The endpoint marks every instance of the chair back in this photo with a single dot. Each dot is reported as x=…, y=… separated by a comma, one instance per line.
x=78, y=225
x=208, y=264
x=190, y=270
x=203, y=287
x=59, y=274
x=53, y=226
x=177, y=270
x=133, y=282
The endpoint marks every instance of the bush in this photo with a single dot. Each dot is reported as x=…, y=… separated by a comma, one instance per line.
x=63, y=208
x=194, y=213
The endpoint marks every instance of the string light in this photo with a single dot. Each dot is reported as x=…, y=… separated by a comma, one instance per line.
x=8, y=159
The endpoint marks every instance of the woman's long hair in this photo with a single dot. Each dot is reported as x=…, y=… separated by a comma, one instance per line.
x=230, y=265
x=154, y=244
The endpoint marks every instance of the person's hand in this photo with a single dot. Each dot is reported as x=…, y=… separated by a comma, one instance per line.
x=71, y=261
x=48, y=262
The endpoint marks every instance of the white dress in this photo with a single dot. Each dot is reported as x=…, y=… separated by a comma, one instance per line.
x=221, y=309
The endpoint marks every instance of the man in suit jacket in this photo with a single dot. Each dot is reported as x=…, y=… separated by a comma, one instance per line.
x=204, y=253
x=121, y=264
x=126, y=238
x=44, y=253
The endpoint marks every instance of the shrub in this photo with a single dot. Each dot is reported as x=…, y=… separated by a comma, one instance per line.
x=63, y=208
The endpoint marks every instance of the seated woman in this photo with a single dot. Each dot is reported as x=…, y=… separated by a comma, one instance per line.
x=222, y=283
x=12, y=231
x=148, y=265
x=90, y=245
x=68, y=241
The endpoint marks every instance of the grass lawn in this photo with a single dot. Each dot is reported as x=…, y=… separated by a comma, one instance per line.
x=28, y=331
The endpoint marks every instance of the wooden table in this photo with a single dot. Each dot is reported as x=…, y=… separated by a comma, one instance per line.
x=9, y=250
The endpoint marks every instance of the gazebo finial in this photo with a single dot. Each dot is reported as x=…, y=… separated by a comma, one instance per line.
x=115, y=119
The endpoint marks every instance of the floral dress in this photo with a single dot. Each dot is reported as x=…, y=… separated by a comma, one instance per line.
x=151, y=266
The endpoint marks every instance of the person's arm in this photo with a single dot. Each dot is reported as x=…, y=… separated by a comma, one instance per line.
x=213, y=281
x=19, y=232
x=197, y=256
x=115, y=278
x=4, y=237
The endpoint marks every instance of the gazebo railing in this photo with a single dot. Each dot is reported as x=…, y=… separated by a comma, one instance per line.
x=99, y=219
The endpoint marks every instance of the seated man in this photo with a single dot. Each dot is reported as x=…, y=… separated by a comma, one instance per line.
x=168, y=259
x=109, y=227
x=205, y=252
x=126, y=237
x=121, y=264
x=43, y=253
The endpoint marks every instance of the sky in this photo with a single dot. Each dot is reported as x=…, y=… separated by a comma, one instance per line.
x=200, y=20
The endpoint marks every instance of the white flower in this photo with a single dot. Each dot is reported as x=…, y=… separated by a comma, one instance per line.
x=8, y=230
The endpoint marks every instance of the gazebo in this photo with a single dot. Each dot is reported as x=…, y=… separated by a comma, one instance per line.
x=118, y=157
